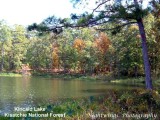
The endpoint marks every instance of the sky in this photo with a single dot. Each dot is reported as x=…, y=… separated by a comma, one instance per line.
x=26, y=12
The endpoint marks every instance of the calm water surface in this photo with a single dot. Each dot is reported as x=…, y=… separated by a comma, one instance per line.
x=33, y=91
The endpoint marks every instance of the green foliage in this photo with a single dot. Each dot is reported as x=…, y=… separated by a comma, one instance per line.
x=39, y=52
x=13, y=43
x=19, y=44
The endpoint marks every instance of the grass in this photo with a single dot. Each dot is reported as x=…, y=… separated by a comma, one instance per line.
x=107, y=78
x=139, y=81
x=10, y=74
x=66, y=76
x=129, y=80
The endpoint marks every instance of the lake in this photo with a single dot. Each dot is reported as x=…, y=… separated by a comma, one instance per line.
x=33, y=91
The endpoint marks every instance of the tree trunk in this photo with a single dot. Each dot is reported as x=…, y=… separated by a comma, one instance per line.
x=2, y=59
x=147, y=68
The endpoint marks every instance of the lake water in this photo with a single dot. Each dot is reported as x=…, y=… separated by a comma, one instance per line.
x=33, y=91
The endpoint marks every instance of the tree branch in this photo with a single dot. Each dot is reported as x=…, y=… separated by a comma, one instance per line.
x=118, y=27
x=100, y=5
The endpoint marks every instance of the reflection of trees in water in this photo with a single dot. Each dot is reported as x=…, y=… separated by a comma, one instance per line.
x=28, y=93
x=14, y=91
x=26, y=69
x=25, y=82
x=24, y=91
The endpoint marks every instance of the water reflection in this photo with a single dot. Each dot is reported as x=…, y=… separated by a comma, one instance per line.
x=32, y=91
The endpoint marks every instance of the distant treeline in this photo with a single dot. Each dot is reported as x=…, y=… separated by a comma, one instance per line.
x=81, y=50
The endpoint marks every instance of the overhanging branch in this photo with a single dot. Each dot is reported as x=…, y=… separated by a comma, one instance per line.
x=118, y=27
x=100, y=5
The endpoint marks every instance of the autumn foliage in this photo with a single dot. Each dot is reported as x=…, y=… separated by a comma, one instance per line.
x=102, y=43
x=55, y=55
x=79, y=44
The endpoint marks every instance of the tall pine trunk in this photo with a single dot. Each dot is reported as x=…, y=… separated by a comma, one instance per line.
x=147, y=67
x=2, y=59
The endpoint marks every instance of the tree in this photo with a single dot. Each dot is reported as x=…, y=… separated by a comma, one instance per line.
x=127, y=52
x=153, y=36
x=101, y=45
x=147, y=68
x=123, y=15
x=39, y=51
x=79, y=44
x=18, y=48
x=74, y=49
x=5, y=43
x=117, y=12
x=55, y=56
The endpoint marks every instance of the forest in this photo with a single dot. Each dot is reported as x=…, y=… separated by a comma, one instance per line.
x=86, y=50
x=116, y=43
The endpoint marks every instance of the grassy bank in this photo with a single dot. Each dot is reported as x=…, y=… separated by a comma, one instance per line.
x=138, y=81
x=129, y=80
x=10, y=74
x=67, y=76
x=91, y=77
x=78, y=76
x=115, y=104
